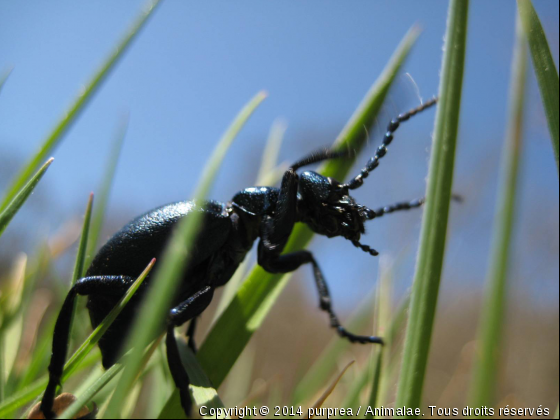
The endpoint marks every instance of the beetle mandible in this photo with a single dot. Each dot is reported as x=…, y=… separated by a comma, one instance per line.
x=228, y=233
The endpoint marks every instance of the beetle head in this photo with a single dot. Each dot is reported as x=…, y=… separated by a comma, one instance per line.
x=325, y=205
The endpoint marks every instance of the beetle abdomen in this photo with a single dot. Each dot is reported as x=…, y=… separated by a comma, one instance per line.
x=130, y=250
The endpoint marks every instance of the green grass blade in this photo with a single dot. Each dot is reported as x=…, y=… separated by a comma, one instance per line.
x=105, y=190
x=158, y=300
x=255, y=298
x=383, y=325
x=392, y=351
x=329, y=390
x=88, y=395
x=38, y=362
x=75, y=109
x=545, y=69
x=2, y=374
x=4, y=77
x=352, y=398
x=492, y=320
x=10, y=210
x=81, y=255
x=29, y=393
x=374, y=393
x=11, y=323
x=269, y=159
x=434, y=226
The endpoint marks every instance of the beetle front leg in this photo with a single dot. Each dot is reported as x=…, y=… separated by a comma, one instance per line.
x=276, y=229
x=325, y=304
x=290, y=262
x=187, y=310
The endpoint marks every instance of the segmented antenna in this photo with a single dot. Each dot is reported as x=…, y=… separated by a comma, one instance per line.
x=387, y=139
x=319, y=156
x=365, y=248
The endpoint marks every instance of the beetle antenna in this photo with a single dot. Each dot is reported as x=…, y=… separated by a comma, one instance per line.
x=319, y=156
x=387, y=139
x=365, y=248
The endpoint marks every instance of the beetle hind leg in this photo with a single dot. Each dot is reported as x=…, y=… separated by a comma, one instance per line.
x=115, y=285
x=190, y=334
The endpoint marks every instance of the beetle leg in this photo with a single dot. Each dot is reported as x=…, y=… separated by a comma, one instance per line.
x=178, y=372
x=190, y=334
x=325, y=304
x=88, y=285
x=290, y=262
x=189, y=309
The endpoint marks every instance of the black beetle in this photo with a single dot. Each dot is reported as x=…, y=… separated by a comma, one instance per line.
x=228, y=233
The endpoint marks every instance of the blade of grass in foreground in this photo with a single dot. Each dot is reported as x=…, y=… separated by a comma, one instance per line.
x=545, y=69
x=88, y=395
x=491, y=322
x=74, y=111
x=105, y=190
x=158, y=300
x=81, y=254
x=434, y=226
x=255, y=298
x=10, y=210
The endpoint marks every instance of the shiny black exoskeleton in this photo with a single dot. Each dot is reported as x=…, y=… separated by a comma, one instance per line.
x=228, y=233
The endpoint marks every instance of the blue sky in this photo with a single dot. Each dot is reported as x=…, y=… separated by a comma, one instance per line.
x=196, y=63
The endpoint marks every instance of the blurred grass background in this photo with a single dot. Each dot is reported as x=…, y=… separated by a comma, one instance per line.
x=295, y=333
